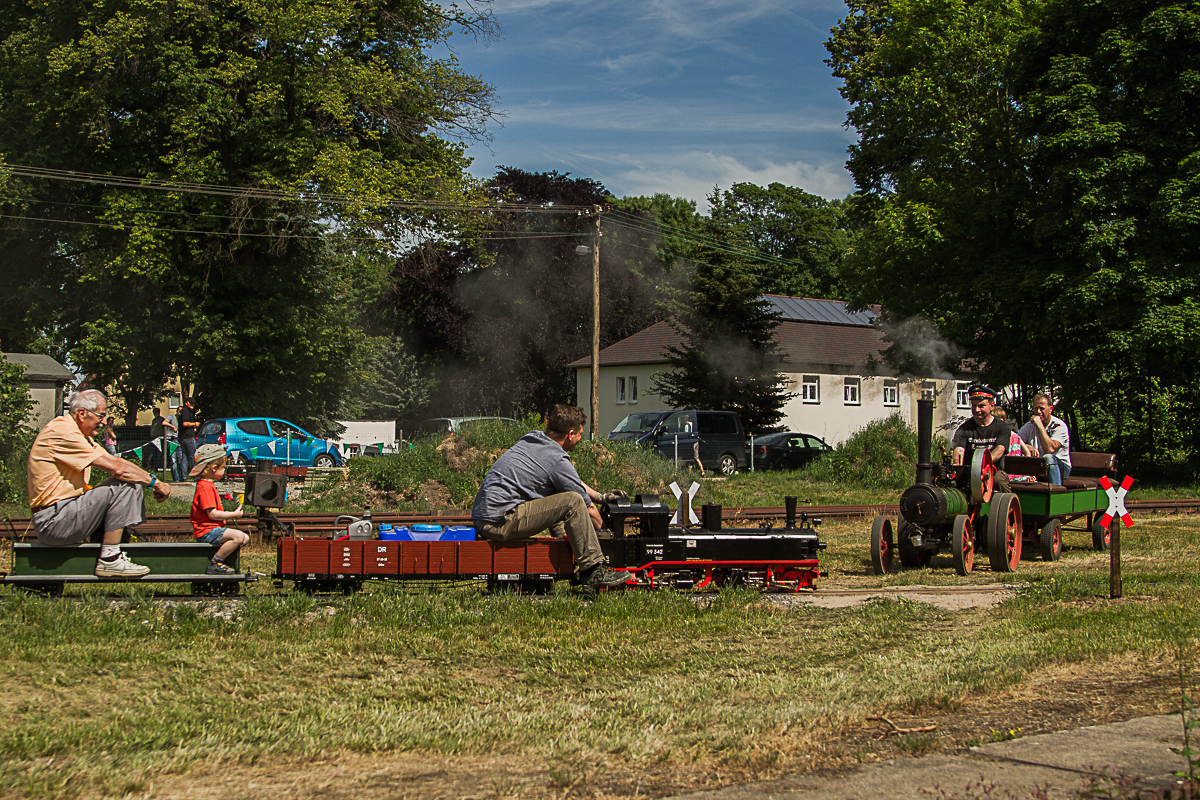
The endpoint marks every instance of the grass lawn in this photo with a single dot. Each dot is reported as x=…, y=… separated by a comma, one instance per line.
x=457, y=693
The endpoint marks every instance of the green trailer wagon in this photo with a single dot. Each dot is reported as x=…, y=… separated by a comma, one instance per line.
x=46, y=569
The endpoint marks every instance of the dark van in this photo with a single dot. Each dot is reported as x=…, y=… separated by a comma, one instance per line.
x=719, y=434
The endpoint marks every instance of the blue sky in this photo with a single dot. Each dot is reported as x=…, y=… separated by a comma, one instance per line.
x=670, y=96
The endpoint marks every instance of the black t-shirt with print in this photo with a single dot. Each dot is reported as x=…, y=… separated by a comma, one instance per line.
x=971, y=437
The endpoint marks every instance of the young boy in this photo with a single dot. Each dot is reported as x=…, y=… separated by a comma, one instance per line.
x=207, y=511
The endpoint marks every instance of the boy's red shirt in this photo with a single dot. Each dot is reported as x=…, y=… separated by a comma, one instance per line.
x=206, y=498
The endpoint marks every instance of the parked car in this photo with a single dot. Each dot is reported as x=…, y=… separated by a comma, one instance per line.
x=787, y=450
x=635, y=426
x=444, y=426
x=272, y=439
x=719, y=433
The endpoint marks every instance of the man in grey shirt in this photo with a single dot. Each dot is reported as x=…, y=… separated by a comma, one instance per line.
x=534, y=487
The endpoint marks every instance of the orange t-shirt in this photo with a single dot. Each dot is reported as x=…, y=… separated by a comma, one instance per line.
x=60, y=462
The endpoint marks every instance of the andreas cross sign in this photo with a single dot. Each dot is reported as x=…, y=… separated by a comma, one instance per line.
x=1116, y=502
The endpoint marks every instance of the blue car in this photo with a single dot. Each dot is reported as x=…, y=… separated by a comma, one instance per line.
x=250, y=439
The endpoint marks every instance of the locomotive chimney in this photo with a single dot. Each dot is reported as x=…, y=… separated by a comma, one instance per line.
x=924, y=438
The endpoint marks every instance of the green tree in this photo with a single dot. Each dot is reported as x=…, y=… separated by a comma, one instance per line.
x=789, y=224
x=15, y=434
x=728, y=360
x=317, y=117
x=393, y=386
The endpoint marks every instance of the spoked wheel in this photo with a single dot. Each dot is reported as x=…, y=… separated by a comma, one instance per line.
x=1050, y=542
x=982, y=472
x=1101, y=538
x=1004, y=532
x=882, y=545
x=963, y=545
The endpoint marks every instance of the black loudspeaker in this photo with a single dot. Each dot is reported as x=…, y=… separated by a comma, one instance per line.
x=265, y=490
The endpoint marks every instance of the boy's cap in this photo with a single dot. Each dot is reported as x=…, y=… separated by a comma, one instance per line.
x=205, y=455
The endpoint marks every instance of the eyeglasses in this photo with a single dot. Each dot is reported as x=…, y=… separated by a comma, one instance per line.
x=96, y=414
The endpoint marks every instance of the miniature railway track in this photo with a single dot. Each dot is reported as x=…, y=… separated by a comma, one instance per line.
x=316, y=524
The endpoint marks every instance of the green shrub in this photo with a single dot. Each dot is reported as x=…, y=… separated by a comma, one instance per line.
x=16, y=436
x=883, y=455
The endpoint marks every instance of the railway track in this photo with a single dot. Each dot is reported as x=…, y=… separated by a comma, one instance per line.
x=308, y=523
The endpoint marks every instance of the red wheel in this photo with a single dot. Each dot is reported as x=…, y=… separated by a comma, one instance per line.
x=882, y=545
x=963, y=545
x=982, y=471
x=1004, y=532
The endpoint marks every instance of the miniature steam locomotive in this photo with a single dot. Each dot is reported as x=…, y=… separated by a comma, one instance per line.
x=955, y=508
x=638, y=538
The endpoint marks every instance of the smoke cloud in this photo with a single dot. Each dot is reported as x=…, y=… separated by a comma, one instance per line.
x=917, y=350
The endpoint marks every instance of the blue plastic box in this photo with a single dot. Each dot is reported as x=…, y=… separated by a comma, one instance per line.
x=429, y=533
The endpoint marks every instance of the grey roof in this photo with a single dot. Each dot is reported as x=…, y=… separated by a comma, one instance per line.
x=41, y=368
x=831, y=312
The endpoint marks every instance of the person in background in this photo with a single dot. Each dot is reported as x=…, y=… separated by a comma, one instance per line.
x=1047, y=436
x=176, y=458
x=1015, y=447
x=108, y=436
x=65, y=510
x=157, y=431
x=207, y=512
x=187, y=432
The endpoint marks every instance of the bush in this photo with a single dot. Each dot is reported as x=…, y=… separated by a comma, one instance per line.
x=605, y=466
x=16, y=436
x=883, y=455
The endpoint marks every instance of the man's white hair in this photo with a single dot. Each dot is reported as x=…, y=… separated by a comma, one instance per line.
x=89, y=399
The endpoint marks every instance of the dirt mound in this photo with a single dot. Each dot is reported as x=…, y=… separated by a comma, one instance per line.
x=459, y=456
x=435, y=493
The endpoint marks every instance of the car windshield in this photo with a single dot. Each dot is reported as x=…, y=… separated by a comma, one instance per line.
x=637, y=423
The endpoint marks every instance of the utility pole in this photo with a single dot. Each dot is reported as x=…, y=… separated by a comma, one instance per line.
x=596, y=331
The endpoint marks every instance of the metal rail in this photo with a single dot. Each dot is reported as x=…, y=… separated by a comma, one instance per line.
x=177, y=524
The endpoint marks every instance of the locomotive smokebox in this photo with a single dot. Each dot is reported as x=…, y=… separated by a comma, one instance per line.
x=924, y=440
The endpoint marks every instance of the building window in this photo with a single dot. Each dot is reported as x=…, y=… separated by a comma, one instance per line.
x=891, y=392
x=173, y=401
x=620, y=391
x=633, y=388
x=929, y=391
x=850, y=391
x=962, y=394
x=810, y=389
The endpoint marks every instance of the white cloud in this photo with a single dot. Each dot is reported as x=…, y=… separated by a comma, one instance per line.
x=647, y=114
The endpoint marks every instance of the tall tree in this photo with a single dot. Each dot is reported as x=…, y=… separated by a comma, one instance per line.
x=791, y=225
x=728, y=359
x=316, y=116
x=504, y=316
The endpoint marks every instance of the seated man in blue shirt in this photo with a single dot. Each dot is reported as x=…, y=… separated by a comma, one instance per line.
x=534, y=487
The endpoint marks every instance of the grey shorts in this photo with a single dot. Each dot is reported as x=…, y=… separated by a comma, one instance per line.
x=108, y=507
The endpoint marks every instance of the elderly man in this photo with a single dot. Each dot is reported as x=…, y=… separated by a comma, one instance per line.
x=65, y=509
x=534, y=486
x=1047, y=436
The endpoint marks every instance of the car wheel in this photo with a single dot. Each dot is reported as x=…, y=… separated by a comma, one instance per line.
x=728, y=464
x=324, y=461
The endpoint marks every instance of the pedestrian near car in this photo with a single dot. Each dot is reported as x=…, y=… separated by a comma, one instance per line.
x=187, y=432
x=208, y=513
x=534, y=487
x=65, y=509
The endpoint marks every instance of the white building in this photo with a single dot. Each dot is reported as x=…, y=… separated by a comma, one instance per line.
x=47, y=381
x=827, y=351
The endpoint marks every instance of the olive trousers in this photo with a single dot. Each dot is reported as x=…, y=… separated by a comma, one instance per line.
x=562, y=514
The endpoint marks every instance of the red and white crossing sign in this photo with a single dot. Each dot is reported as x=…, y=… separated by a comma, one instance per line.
x=1116, y=501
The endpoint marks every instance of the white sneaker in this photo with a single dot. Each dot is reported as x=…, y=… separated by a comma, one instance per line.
x=120, y=567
